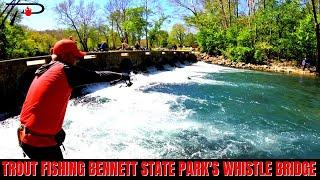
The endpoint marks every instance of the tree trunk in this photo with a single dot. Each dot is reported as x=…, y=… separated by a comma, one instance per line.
x=237, y=8
x=147, y=24
x=224, y=14
x=113, y=39
x=85, y=48
x=229, y=5
x=126, y=37
x=119, y=30
x=317, y=28
x=126, y=34
x=249, y=8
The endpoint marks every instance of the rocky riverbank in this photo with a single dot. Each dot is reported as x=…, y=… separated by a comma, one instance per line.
x=286, y=67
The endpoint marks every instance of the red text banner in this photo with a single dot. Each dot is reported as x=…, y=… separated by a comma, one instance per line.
x=157, y=168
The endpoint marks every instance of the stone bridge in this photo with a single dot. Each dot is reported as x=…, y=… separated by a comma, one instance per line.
x=16, y=75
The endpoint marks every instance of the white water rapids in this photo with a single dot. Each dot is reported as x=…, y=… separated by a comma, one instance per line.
x=125, y=122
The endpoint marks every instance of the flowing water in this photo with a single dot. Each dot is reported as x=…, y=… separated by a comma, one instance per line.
x=198, y=111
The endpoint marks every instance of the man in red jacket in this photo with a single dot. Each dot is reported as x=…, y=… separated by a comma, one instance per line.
x=40, y=134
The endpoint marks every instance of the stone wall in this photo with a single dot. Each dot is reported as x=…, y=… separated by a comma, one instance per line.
x=16, y=75
x=15, y=78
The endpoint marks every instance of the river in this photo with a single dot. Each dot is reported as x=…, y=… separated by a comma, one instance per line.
x=199, y=111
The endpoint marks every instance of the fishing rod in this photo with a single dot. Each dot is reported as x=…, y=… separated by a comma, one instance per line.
x=128, y=82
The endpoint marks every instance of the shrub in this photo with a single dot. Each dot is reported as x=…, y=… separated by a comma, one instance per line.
x=240, y=54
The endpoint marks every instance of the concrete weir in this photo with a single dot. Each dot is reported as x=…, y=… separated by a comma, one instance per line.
x=16, y=75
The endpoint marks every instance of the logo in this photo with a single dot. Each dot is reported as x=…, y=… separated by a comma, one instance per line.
x=28, y=10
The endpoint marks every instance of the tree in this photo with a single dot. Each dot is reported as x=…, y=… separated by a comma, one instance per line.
x=193, y=6
x=178, y=34
x=224, y=15
x=272, y=29
x=39, y=42
x=135, y=23
x=116, y=11
x=80, y=17
x=147, y=17
x=155, y=31
x=17, y=44
x=162, y=38
x=152, y=9
x=103, y=31
x=236, y=2
x=317, y=29
x=6, y=12
x=190, y=40
x=306, y=38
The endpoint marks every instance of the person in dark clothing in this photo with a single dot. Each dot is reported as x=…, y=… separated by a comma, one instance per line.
x=174, y=47
x=137, y=46
x=40, y=134
x=104, y=47
x=303, y=63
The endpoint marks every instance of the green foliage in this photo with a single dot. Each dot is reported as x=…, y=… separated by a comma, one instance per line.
x=162, y=38
x=306, y=38
x=211, y=41
x=21, y=42
x=275, y=29
x=239, y=54
x=262, y=50
x=177, y=34
x=158, y=37
x=245, y=37
x=190, y=40
x=15, y=46
x=231, y=35
x=135, y=23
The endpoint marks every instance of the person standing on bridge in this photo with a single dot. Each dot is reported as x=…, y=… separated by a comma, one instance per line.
x=40, y=134
x=124, y=45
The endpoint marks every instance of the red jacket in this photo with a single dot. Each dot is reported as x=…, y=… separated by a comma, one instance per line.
x=45, y=105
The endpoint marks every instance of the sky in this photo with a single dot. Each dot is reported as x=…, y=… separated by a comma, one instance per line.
x=47, y=20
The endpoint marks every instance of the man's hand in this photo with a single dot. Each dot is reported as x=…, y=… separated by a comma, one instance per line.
x=125, y=76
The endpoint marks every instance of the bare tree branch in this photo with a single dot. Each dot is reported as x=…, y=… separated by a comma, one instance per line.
x=194, y=6
x=80, y=17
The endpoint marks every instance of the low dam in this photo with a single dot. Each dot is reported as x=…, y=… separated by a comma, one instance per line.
x=17, y=74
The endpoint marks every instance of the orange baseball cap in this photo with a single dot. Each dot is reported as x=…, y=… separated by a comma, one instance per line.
x=66, y=46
